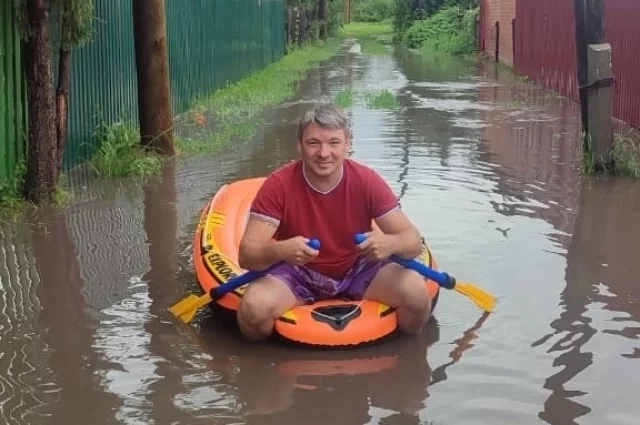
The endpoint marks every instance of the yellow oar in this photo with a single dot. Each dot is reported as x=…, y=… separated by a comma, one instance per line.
x=481, y=298
x=187, y=308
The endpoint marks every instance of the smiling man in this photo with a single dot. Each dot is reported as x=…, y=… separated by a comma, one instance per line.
x=330, y=197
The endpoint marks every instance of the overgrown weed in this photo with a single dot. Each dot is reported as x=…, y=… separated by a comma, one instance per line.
x=625, y=158
x=378, y=99
x=120, y=153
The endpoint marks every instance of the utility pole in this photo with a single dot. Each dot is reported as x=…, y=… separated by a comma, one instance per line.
x=152, y=65
x=594, y=80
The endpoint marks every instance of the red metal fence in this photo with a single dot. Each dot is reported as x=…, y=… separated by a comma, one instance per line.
x=622, y=28
x=544, y=44
x=544, y=47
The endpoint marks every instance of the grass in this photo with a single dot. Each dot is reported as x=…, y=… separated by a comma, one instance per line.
x=366, y=29
x=13, y=204
x=234, y=113
x=381, y=99
x=229, y=115
x=120, y=153
x=625, y=157
x=344, y=98
x=373, y=37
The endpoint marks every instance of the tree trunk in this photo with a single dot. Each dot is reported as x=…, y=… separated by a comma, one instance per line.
x=152, y=64
x=347, y=11
x=42, y=155
x=322, y=17
x=62, y=104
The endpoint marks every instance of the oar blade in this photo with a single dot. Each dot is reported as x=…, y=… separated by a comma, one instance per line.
x=187, y=308
x=481, y=298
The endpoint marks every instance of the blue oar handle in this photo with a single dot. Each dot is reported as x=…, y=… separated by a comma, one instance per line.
x=243, y=279
x=443, y=279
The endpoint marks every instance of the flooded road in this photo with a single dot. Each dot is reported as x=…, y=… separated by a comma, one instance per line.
x=486, y=166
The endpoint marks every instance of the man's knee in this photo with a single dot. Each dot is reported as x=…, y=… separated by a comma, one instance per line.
x=263, y=301
x=399, y=286
x=412, y=290
x=259, y=301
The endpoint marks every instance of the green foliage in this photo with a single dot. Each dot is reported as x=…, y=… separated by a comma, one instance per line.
x=344, y=98
x=373, y=10
x=72, y=21
x=11, y=191
x=335, y=9
x=334, y=14
x=12, y=202
x=121, y=154
x=76, y=22
x=381, y=99
x=408, y=11
x=451, y=30
x=626, y=156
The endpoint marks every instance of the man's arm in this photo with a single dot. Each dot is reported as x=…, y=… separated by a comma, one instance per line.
x=257, y=250
x=406, y=241
x=404, y=238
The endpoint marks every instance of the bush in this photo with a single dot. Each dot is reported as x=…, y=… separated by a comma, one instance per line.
x=408, y=11
x=373, y=10
x=451, y=30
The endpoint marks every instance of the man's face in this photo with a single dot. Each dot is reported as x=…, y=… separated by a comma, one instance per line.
x=323, y=150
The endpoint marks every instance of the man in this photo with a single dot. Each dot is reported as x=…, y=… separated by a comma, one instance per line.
x=327, y=196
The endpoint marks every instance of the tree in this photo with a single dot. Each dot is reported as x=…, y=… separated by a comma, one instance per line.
x=152, y=64
x=75, y=30
x=42, y=156
x=322, y=17
x=48, y=117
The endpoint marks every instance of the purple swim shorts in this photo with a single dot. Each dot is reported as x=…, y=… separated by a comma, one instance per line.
x=310, y=286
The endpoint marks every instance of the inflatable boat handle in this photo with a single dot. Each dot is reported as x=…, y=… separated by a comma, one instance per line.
x=243, y=279
x=480, y=297
x=443, y=279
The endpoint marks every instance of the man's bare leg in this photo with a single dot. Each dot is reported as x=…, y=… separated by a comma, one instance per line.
x=264, y=300
x=405, y=290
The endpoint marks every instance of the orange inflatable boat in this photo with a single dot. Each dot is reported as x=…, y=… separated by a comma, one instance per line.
x=336, y=323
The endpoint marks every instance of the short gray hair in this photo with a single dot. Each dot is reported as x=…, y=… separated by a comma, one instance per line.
x=326, y=115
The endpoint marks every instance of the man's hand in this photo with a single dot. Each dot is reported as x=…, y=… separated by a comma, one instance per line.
x=378, y=246
x=296, y=251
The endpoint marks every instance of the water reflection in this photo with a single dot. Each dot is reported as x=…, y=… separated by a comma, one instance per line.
x=384, y=384
x=69, y=329
x=486, y=166
x=25, y=382
x=600, y=318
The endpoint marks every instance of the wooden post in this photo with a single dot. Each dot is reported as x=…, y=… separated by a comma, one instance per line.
x=594, y=80
x=152, y=64
x=497, y=46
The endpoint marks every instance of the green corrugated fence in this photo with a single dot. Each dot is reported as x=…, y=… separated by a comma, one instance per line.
x=211, y=43
x=12, y=95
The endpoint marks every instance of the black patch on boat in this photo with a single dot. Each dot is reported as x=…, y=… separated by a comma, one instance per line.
x=336, y=316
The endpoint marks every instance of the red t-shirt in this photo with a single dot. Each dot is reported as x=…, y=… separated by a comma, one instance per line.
x=334, y=217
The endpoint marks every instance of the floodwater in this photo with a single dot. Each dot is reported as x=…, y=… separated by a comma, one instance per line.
x=487, y=167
